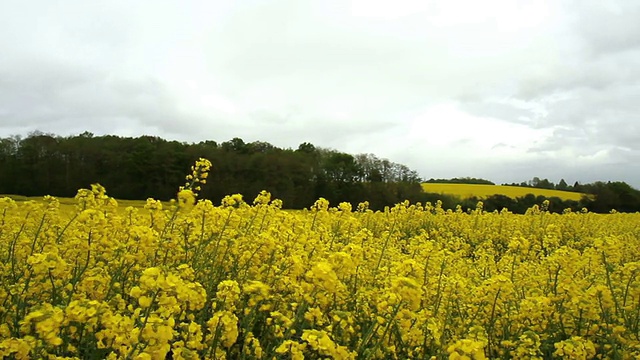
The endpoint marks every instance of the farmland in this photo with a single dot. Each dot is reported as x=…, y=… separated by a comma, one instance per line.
x=247, y=280
x=481, y=190
x=460, y=190
x=71, y=202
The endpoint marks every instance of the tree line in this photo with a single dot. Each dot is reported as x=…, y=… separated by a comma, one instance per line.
x=463, y=180
x=603, y=196
x=536, y=182
x=149, y=166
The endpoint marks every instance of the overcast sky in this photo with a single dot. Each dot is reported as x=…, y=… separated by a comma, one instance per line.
x=500, y=89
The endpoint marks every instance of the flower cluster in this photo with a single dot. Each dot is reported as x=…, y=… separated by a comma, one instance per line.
x=249, y=280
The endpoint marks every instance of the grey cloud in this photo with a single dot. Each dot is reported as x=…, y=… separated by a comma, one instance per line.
x=603, y=117
x=295, y=127
x=590, y=102
x=605, y=73
x=293, y=71
x=609, y=27
x=502, y=146
x=55, y=97
x=502, y=110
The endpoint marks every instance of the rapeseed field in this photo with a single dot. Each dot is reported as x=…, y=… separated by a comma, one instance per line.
x=465, y=191
x=70, y=203
x=247, y=280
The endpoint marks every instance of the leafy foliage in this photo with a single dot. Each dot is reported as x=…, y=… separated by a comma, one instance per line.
x=606, y=196
x=147, y=166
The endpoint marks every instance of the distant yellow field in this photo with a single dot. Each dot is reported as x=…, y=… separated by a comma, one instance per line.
x=479, y=190
x=461, y=190
x=65, y=201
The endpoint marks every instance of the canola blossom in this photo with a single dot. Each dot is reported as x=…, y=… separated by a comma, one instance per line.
x=466, y=191
x=190, y=280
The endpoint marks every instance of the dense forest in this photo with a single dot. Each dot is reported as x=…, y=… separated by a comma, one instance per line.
x=149, y=166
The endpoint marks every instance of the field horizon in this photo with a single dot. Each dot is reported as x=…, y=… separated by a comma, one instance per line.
x=462, y=191
x=465, y=191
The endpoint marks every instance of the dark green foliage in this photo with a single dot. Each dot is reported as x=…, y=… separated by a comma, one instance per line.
x=611, y=195
x=536, y=182
x=603, y=196
x=562, y=185
x=520, y=205
x=148, y=166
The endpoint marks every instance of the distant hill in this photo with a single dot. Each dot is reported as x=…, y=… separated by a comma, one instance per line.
x=465, y=191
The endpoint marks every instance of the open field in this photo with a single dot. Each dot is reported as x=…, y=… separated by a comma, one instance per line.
x=256, y=282
x=480, y=190
x=65, y=201
x=461, y=190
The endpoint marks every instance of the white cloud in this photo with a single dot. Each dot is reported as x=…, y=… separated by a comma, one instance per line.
x=499, y=88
